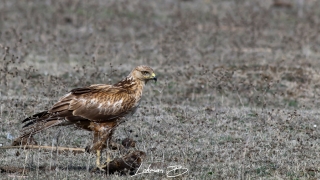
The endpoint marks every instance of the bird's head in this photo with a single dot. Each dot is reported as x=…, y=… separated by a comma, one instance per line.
x=144, y=73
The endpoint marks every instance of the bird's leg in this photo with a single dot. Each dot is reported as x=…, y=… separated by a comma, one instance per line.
x=95, y=139
x=102, y=135
x=109, y=144
x=104, y=166
x=101, y=140
x=98, y=164
x=98, y=158
x=98, y=150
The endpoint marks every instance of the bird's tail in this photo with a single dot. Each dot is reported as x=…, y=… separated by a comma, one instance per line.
x=35, y=124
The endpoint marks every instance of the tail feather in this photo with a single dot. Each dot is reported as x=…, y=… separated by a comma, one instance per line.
x=40, y=126
x=36, y=116
x=38, y=120
x=37, y=123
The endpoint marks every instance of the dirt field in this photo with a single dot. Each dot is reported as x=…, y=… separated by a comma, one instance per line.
x=237, y=92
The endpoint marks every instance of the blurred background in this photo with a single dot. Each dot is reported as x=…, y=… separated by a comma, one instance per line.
x=232, y=75
x=202, y=50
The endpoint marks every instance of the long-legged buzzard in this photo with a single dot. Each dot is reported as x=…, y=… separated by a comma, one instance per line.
x=99, y=108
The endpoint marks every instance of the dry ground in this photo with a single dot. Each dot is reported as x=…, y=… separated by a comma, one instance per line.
x=237, y=94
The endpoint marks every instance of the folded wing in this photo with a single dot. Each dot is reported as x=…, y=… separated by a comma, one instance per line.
x=96, y=103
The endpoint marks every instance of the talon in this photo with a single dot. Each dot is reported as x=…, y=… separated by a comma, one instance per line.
x=100, y=168
x=98, y=165
x=98, y=158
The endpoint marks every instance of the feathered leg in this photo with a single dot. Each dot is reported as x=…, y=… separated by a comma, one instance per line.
x=98, y=151
x=101, y=140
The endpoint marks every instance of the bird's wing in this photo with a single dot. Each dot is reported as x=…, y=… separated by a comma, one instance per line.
x=96, y=103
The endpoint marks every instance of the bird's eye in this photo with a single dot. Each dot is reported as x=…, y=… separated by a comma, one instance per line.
x=145, y=72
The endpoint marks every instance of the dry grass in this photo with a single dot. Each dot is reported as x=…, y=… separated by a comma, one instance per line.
x=236, y=96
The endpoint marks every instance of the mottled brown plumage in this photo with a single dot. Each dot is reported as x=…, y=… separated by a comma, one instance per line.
x=99, y=108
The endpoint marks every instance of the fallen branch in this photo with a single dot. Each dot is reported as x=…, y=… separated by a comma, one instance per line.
x=48, y=148
x=11, y=169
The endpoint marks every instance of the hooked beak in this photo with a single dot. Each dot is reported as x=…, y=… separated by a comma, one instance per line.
x=154, y=77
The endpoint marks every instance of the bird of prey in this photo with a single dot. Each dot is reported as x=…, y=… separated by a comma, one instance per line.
x=99, y=108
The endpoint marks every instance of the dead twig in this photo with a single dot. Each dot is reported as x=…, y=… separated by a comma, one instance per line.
x=48, y=148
